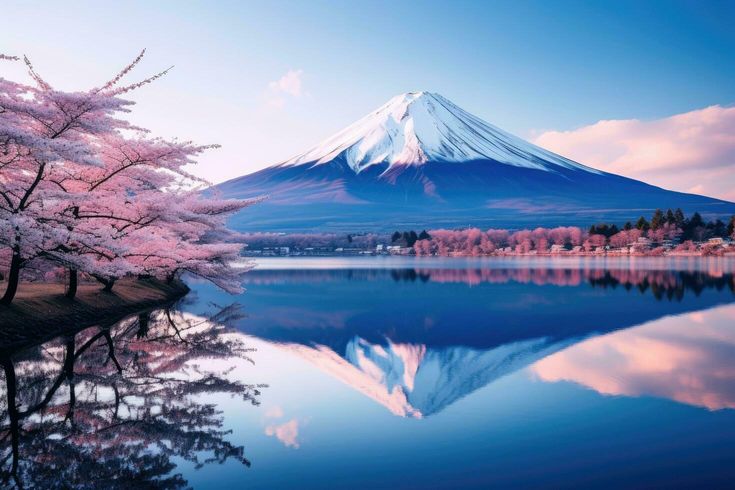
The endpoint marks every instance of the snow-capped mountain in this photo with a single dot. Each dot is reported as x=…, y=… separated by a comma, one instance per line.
x=420, y=127
x=415, y=381
x=421, y=161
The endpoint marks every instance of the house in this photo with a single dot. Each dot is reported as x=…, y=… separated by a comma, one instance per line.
x=556, y=249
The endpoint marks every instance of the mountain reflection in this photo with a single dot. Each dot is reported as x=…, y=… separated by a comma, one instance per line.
x=418, y=340
x=415, y=380
x=688, y=359
x=112, y=406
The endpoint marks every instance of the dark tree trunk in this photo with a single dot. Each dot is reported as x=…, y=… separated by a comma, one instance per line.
x=13, y=415
x=71, y=291
x=107, y=283
x=13, y=278
x=69, y=375
x=143, y=320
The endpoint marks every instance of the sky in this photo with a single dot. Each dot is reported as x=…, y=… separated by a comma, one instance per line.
x=642, y=88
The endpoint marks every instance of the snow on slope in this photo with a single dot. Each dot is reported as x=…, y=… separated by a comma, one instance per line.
x=416, y=381
x=418, y=127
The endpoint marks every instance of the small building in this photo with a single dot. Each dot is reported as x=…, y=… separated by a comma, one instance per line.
x=556, y=249
x=716, y=241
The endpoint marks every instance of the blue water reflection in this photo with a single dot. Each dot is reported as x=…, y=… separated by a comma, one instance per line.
x=444, y=374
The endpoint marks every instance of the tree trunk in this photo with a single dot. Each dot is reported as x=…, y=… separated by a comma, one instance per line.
x=71, y=291
x=69, y=374
x=107, y=283
x=13, y=416
x=13, y=278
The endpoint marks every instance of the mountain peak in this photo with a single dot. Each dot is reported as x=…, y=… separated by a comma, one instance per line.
x=418, y=127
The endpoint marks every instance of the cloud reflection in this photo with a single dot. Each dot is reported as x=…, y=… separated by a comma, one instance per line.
x=687, y=359
x=287, y=433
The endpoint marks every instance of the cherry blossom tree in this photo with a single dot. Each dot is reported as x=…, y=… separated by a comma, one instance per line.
x=84, y=189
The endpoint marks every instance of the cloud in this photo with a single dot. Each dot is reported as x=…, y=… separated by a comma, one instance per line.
x=288, y=86
x=687, y=359
x=287, y=433
x=688, y=152
x=275, y=412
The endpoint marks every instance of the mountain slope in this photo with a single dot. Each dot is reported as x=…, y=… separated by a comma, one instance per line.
x=421, y=161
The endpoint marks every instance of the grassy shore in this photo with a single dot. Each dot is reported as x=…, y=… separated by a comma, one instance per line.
x=40, y=311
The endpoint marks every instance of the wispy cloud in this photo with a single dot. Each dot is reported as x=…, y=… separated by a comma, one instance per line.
x=690, y=152
x=289, y=86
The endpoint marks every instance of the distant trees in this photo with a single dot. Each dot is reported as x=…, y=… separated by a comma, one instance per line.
x=260, y=240
x=407, y=238
x=84, y=190
x=671, y=226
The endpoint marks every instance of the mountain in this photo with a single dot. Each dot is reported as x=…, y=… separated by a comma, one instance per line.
x=413, y=380
x=420, y=161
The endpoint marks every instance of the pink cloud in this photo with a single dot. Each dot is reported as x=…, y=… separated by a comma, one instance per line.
x=686, y=358
x=689, y=152
x=287, y=433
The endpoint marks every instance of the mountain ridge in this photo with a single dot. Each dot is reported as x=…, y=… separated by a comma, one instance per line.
x=421, y=161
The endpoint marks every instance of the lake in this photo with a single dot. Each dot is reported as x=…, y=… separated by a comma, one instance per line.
x=395, y=372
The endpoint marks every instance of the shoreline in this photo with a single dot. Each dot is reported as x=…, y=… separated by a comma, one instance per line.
x=40, y=312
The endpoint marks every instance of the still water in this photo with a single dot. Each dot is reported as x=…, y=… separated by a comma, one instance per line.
x=394, y=373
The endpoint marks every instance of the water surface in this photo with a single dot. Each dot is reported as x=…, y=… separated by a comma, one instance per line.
x=402, y=373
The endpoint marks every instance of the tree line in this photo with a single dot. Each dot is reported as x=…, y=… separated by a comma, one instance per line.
x=694, y=228
x=673, y=226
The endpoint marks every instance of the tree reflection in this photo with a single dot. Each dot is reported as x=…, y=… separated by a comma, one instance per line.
x=111, y=406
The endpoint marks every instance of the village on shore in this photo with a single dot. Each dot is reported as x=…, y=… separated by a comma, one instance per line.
x=642, y=247
x=666, y=234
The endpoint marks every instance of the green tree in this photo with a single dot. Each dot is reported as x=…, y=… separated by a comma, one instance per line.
x=679, y=218
x=642, y=224
x=657, y=220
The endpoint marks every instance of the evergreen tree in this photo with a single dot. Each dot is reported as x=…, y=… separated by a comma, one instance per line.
x=642, y=224
x=395, y=236
x=670, y=218
x=657, y=220
x=628, y=226
x=696, y=220
x=679, y=218
x=731, y=227
x=425, y=236
x=717, y=228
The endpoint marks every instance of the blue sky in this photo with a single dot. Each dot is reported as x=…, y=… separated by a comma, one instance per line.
x=525, y=66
